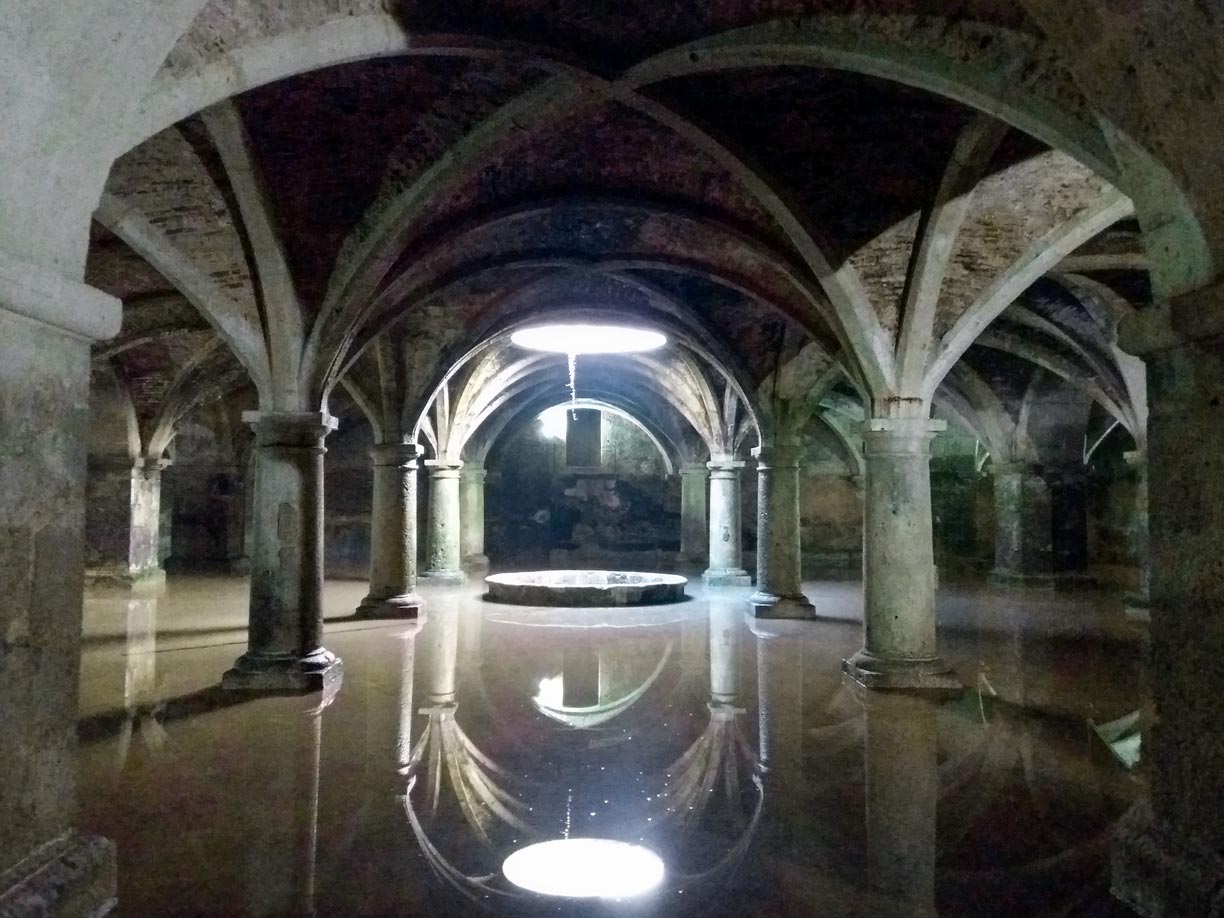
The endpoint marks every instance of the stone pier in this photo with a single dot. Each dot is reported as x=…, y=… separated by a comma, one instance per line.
x=726, y=555
x=123, y=520
x=779, y=592
x=393, y=534
x=444, y=546
x=285, y=649
x=899, y=648
x=472, y=516
x=694, y=529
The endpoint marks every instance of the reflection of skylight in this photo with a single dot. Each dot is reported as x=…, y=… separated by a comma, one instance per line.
x=553, y=422
x=588, y=339
x=585, y=868
x=551, y=691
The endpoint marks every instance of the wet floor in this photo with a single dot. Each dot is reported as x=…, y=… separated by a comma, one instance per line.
x=736, y=754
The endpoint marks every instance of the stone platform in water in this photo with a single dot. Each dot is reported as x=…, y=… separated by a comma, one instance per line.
x=585, y=588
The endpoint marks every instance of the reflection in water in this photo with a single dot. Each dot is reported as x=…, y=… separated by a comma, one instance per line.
x=728, y=747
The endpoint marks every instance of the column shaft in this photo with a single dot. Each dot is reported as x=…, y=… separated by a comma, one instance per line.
x=123, y=521
x=1024, y=549
x=899, y=648
x=472, y=516
x=1138, y=603
x=285, y=645
x=779, y=592
x=726, y=561
x=1169, y=857
x=694, y=530
x=444, y=552
x=393, y=535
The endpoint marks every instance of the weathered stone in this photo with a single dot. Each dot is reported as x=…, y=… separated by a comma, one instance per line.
x=393, y=534
x=726, y=562
x=779, y=592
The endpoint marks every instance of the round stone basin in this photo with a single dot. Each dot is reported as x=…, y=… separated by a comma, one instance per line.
x=585, y=588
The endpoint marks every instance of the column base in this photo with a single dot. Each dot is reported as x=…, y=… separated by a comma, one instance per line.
x=727, y=576
x=931, y=675
x=75, y=876
x=443, y=578
x=1138, y=608
x=771, y=605
x=320, y=671
x=476, y=562
x=101, y=578
x=1160, y=874
x=406, y=605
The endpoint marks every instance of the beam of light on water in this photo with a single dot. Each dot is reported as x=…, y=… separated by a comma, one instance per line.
x=585, y=868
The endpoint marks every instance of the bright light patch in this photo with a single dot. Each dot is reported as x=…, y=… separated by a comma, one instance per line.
x=553, y=422
x=585, y=868
x=551, y=691
x=588, y=339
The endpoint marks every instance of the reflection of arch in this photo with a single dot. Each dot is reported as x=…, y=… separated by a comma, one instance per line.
x=584, y=718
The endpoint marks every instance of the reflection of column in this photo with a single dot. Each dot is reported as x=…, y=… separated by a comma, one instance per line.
x=140, y=696
x=1023, y=527
x=780, y=700
x=725, y=621
x=282, y=751
x=898, y=564
x=443, y=548
x=779, y=592
x=902, y=789
x=472, y=516
x=123, y=521
x=285, y=642
x=726, y=561
x=694, y=531
x=440, y=639
x=1138, y=603
x=393, y=543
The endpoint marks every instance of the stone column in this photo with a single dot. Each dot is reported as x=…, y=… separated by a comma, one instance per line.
x=694, y=530
x=393, y=534
x=901, y=778
x=123, y=521
x=1138, y=603
x=726, y=618
x=285, y=649
x=47, y=323
x=444, y=554
x=726, y=561
x=779, y=592
x=899, y=650
x=1168, y=856
x=1024, y=550
x=1069, y=516
x=472, y=516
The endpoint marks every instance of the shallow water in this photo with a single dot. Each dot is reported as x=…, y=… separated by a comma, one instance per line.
x=767, y=784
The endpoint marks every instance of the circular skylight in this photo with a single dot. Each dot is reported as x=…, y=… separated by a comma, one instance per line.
x=588, y=339
x=585, y=868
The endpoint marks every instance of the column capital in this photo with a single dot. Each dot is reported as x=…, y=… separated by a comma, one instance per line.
x=1135, y=458
x=724, y=463
x=473, y=472
x=151, y=465
x=1017, y=467
x=443, y=468
x=1191, y=317
x=402, y=455
x=895, y=436
x=290, y=428
x=695, y=468
x=778, y=455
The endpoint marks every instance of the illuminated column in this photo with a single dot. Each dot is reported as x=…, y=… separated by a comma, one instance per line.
x=899, y=649
x=726, y=561
x=285, y=644
x=123, y=520
x=393, y=538
x=901, y=772
x=444, y=554
x=694, y=531
x=1024, y=549
x=472, y=516
x=779, y=592
x=726, y=618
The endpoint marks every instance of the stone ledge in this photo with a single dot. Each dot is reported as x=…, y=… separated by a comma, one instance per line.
x=73, y=878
